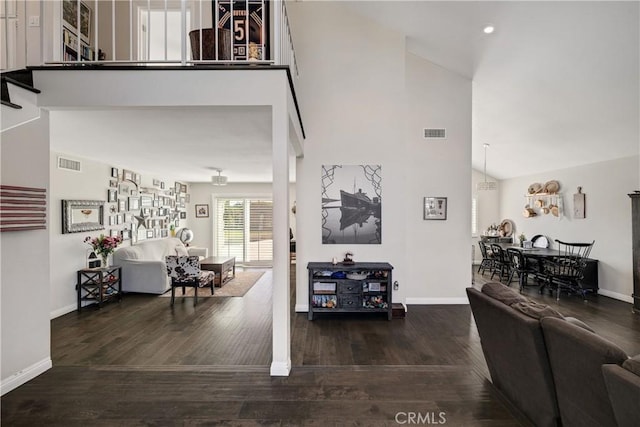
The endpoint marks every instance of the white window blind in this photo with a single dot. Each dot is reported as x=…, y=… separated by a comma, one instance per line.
x=474, y=216
x=244, y=229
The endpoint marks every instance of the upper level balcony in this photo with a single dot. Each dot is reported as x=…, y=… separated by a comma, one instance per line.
x=145, y=33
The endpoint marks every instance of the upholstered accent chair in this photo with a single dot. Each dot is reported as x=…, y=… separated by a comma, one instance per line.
x=184, y=271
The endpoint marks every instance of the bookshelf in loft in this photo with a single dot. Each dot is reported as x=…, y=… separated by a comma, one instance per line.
x=70, y=30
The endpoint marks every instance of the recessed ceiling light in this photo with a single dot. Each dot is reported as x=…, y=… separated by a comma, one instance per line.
x=489, y=29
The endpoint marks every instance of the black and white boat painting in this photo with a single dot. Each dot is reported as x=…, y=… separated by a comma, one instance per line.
x=352, y=204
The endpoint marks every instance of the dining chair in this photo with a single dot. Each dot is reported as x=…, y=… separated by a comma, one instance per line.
x=184, y=272
x=487, y=258
x=520, y=266
x=566, y=270
x=501, y=263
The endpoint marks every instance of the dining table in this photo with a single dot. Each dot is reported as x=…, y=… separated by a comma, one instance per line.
x=590, y=280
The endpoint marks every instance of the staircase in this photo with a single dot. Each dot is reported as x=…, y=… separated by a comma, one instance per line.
x=19, y=98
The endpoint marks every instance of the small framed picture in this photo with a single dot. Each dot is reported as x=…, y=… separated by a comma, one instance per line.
x=156, y=182
x=435, y=208
x=122, y=205
x=112, y=196
x=134, y=203
x=113, y=183
x=187, y=198
x=183, y=215
x=149, y=234
x=177, y=187
x=113, y=232
x=202, y=211
x=123, y=189
x=127, y=175
x=162, y=185
x=114, y=172
x=183, y=188
x=126, y=234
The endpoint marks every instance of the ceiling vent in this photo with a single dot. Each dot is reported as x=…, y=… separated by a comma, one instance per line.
x=430, y=133
x=68, y=164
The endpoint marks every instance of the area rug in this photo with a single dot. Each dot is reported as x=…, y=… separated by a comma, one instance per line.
x=237, y=287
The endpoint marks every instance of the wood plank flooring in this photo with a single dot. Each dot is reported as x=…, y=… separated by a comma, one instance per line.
x=142, y=363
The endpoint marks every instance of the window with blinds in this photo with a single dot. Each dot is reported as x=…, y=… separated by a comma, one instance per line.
x=474, y=216
x=244, y=229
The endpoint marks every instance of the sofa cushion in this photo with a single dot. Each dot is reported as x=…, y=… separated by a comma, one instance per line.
x=502, y=293
x=580, y=323
x=181, y=251
x=516, y=356
x=632, y=364
x=576, y=356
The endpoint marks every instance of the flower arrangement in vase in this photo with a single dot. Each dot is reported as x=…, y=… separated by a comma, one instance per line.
x=103, y=245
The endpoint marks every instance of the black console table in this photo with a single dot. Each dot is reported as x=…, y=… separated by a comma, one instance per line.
x=362, y=287
x=99, y=285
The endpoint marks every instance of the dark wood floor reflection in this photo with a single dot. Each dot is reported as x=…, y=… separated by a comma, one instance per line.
x=142, y=363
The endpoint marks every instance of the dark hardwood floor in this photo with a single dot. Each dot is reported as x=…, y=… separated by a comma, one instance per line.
x=142, y=363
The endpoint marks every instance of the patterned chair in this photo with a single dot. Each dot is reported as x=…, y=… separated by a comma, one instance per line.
x=184, y=271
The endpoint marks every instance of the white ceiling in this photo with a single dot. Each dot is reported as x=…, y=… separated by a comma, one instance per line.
x=187, y=143
x=555, y=86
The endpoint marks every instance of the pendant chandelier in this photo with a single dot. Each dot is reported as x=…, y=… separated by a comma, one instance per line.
x=486, y=186
x=219, y=179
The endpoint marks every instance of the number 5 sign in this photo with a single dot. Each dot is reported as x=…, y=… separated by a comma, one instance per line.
x=249, y=22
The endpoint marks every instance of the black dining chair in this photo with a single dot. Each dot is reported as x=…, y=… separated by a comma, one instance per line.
x=520, y=266
x=487, y=258
x=566, y=270
x=501, y=263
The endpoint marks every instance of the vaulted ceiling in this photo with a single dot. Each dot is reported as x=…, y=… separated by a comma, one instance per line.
x=555, y=85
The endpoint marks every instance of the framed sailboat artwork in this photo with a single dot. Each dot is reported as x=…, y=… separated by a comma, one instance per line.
x=352, y=204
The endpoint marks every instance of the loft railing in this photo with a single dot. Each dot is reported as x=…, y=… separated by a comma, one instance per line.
x=145, y=32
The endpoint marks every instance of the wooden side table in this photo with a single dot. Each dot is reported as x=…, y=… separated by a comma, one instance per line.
x=99, y=285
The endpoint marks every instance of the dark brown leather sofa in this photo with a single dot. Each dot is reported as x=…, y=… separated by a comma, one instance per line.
x=623, y=385
x=547, y=366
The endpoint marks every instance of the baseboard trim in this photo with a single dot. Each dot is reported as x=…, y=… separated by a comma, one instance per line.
x=616, y=295
x=62, y=311
x=281, y=369
x=437, y=301
x=302, y=308
x=25, y=375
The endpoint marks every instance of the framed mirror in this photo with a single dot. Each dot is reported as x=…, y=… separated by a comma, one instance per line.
x=82, y=215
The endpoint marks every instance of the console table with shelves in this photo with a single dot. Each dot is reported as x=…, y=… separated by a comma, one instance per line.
x=99, y=285
x=362, y=287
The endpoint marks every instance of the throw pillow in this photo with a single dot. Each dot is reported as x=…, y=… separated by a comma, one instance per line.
x=502, y=293
x=536, y=310
x=632, y=364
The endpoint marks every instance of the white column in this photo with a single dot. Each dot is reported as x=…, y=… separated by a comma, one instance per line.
x=281, y=363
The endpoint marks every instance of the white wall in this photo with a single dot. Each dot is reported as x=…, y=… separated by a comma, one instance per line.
x=608, y=216
x=360, y=107
x=202, y=193
x=24, y=257
x=437, y=251
x=68, y=251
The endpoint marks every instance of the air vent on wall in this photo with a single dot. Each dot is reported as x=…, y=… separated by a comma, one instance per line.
x=68, y=164
x=435, y=133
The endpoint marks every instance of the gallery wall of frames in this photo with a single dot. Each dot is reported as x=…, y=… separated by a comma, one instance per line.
x=137, y=212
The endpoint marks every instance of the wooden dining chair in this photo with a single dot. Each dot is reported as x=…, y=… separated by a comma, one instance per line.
x=501, y=263
x=520, y=266
x=566, y=270
x=487, y=259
